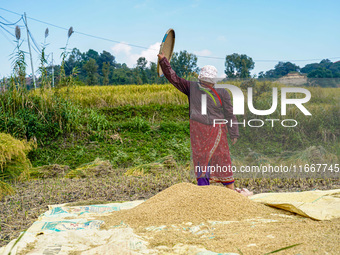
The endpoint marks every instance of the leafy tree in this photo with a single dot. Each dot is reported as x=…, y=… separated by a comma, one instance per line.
x=91, y=54
x=281, y=69
x=122, y=74
x=335, y=68
x=322, y=77
x=152, y=75
x=319, y=69
x=137, y=79
x=105, y=57
x=238, y=66
x=326, y=63
x=309, y=68
x=141, y=63
x=261, y=75
x=106, y=72
x=284, y=68
x=321, y=72
x=184, y=63
x=75, y=59
x=91, y=68
x=324, y=74
x=141, y=66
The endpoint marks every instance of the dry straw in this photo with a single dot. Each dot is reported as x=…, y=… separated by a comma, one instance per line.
x=46, y=32
x=70, y=32
x=17, y=32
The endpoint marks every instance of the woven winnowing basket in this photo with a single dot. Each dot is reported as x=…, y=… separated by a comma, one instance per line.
x=167, y=48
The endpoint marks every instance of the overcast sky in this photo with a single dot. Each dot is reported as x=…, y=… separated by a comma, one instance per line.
x=286, y=30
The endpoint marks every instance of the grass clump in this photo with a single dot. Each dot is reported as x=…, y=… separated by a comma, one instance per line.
x=95, y=168
x=312, y=154
x=157, y=168
x=49, y=171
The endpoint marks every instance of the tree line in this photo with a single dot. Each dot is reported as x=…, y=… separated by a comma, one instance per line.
x=324, y=69
x=93, y=68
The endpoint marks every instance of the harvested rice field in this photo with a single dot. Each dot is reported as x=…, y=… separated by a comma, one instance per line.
x=20, y=210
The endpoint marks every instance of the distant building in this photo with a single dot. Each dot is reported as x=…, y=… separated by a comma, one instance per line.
x=293, y=78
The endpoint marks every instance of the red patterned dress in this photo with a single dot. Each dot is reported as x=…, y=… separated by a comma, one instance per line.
x=209, y=144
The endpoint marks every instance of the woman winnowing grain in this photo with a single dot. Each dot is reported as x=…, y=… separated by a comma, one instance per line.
x=209, y=144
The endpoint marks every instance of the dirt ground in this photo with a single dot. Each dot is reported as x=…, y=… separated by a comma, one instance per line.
x=19, y=211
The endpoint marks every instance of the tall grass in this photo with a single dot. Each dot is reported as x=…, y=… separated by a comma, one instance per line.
x=44, y=113
x=18, y=63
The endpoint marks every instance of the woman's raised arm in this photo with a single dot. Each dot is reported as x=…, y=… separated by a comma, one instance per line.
x=180, y=83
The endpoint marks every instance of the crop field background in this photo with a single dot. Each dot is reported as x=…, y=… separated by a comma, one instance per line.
x=138, y=135
x=87, y=127
x=156, y=118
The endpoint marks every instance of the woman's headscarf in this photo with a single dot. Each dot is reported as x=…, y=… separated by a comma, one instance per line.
x=208, y=74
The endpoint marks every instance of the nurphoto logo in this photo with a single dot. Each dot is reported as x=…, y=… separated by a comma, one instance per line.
x=238, y=105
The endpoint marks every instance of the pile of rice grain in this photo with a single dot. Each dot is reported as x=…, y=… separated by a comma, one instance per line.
x=187, y=202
